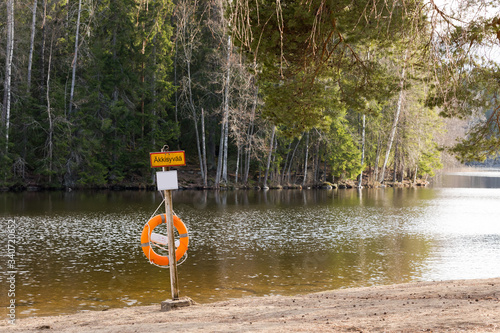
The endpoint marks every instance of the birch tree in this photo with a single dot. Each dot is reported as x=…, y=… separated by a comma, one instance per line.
x=75, y=58
x=306, y=159
x=225, y=123
x=5, y=119
x=189, y=29
x=32, y=43
x=49, y=145
x=204, y=146
x=270, y=153
x=396, y=120
x=363, y=133
x=250, y=135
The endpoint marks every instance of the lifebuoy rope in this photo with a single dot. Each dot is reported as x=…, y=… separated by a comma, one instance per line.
x=154, y=213
x=161, y=203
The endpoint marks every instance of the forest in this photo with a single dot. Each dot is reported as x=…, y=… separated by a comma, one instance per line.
x=257, y=93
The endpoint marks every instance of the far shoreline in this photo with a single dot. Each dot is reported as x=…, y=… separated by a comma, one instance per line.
x=228, y=187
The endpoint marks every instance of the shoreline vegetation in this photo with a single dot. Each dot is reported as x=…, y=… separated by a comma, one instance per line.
x=437, y=306
x=189, y=179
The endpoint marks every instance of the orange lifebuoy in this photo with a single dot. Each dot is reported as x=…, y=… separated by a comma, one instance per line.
x=146, y=239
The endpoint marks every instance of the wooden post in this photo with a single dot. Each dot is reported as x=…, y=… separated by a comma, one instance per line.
x=169, y=212
x=174, y=284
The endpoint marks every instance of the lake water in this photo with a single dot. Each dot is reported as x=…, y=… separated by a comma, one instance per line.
x=79, y=251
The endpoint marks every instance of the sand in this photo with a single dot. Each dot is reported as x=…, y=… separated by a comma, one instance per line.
x=447, y=306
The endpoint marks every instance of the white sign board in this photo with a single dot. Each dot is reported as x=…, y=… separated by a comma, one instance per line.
x=160, y=239
x=167, y=180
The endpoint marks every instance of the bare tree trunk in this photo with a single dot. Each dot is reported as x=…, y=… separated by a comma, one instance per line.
x=226, y=110
x=237, y=164
x=153, y=88
x=75, y=59
x=377, y=157
x=282, y=180
x=205, y=170
x=42, y=51
x=187, y=31
x=269, y=157
x=324, y=168
x=360, y=181
x=219, y=160
x=224, y=156
x=248, y=153
x=316, y=163
x=193, y=111
x=50, y=138
x=5, y=120
x=143, y=76
x=305, y=162
x=395, y=122
x=115, y=90
x=175, y=81
x=115, y=96
x=402, y=163
x=394, y=177
x=276, y=167
x=291, y=160
x=32, y=44
x=391, y=137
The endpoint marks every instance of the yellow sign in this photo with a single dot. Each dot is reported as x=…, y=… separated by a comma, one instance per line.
x=167, y=159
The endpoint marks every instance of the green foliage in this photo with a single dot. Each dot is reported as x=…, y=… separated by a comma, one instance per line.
x=300, y=105
x=471, y=90
x=343, y=153
x=482, y=141
x=429, y=161
x=309, y=71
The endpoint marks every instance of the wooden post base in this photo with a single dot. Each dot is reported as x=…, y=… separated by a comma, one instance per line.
x=173, y=304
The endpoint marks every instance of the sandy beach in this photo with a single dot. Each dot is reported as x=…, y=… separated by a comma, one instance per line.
x=447, y=306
